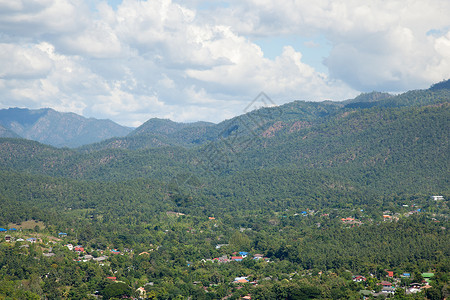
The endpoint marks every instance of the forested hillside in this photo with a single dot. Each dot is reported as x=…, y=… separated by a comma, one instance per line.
x=315, y=194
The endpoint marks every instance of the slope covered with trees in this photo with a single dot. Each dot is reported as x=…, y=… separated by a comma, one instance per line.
x=316, y=193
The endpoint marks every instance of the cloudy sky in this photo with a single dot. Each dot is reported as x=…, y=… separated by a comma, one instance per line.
x=130, y=60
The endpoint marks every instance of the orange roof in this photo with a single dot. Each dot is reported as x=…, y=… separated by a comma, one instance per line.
x=112, y=278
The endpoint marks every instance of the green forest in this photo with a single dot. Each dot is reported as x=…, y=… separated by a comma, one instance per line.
x=309, y=200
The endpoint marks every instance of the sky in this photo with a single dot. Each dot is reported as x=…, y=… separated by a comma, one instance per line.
x=195, y=60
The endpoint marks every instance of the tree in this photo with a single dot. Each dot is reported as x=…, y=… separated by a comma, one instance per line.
x=116, y=289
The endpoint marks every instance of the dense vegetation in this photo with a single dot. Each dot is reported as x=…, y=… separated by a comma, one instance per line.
x=319, y=192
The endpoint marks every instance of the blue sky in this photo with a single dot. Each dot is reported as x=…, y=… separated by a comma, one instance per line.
x=314, y=49
x=192, y=60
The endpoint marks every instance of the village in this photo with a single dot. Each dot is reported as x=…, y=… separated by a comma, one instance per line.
x=374, y=285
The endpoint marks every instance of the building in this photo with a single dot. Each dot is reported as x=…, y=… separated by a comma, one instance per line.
x=243, y=279
x=78, y=249
x=359, y=278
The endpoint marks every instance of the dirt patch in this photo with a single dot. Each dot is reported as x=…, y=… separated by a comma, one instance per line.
x=30, y=224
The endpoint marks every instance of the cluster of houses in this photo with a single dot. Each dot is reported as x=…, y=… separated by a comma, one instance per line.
x=8, y=238
x=389, y=287
x=351, y=221
x=236, y=256
x=84, y=257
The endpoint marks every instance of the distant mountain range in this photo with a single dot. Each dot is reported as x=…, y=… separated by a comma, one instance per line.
x=58, y=129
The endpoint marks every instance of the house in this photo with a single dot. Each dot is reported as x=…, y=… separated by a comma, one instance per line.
x=386, y=284
x=69, y=246
x=237, y=258
x=388, y=290
x=20, y=240
x=100, y=258
x=3, y=230
x=359, y=278
x=436, y=198
x=113, y=278
x=48, y=254
x=427, y=276
x=32, y=240
x=222, y=259
x=62, y=234
x=347, y=220
x=412, y=290
x=12, y=229
x=211, y=218
x=407, y=275
x=258, y=256
x=8, y=238
x=78, y=249
x=415, y=285
x=242, y=279
x=243, y=254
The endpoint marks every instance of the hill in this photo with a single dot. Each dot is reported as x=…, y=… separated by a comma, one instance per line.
x=58, y=129
x=303, y=152
x=267, y=121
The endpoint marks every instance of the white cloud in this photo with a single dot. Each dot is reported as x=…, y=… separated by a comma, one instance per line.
x=164, y=58
x=34, y=18
x=376, y=44
x=26, y=61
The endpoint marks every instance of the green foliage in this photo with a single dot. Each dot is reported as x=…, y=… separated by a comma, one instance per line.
x=278, y=187
x=116, y=290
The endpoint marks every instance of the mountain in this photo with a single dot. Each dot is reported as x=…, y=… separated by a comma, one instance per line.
x=267, y=121
x=163, y=133
x=58, y=129
x=402, y=139
x=5, y=133
x=302, y=153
